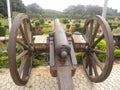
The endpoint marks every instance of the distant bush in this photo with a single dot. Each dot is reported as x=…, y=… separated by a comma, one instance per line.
x=114, y=24
x=41, y=20
x=37, y=23
x=67, y=26
x=65, y=21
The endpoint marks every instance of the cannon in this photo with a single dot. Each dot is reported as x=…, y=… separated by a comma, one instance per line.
x=61, y=47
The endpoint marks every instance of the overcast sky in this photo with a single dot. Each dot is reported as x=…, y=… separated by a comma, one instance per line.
x=60, y=5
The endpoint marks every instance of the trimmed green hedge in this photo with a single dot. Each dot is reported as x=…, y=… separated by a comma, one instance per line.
x=2, y=31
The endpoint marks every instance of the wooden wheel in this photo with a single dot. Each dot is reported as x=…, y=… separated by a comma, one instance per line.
x=98, y=58
x=20, y=49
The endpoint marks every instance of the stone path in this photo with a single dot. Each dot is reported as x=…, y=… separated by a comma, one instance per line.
x=41, y=79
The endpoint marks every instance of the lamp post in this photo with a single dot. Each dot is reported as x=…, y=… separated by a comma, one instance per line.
x=9, y=14
x=104, y=9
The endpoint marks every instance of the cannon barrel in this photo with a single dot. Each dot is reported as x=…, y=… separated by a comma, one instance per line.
x=62, y=47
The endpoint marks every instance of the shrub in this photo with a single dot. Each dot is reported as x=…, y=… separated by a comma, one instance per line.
x=79, y=57
x=81, y=28
x=68, y=26
x=3, y=61
x=77, y=25
x=1, y=16
x=40, y=59
x=37, y=23
x=2, y=31
x=41, y=20
x=36, y=62
x=101, y=46
x=65, y=21
x=3, y=50
x=46, y=25
x=117, y=53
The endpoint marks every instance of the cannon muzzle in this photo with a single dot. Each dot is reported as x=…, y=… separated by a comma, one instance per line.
x=62, y=47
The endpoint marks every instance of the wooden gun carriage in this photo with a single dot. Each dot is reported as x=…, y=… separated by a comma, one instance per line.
x=61, y=47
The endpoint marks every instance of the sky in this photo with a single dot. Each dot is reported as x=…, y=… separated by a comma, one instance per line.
x=60, y=5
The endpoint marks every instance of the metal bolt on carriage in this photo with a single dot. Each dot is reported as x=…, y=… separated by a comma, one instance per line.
x=61, y=47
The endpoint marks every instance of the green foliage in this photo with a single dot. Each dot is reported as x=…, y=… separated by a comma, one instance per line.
x=3, y=50
x=34, y=8
x=77, y=25
x=36, y=62
x=37, y=23
x=1, y=16
x=40, y=59
x=2, y=31
x=41, y=20
x=101, y=46
x=3, y=56
x=3, y=8
x=65, y=21
x=46, y=25
x=79, y=57
x=117, y=53
x=68, y=26
x=114, y=24
x=17, y=5
x=3, y=61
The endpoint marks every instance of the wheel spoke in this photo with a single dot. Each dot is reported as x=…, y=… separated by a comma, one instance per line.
x=22, y=44
x=86, y=62
x=21, y=55
x=91, y=30
x=26, y=29
x=94, y=67
x=95, y=32
x=26, y=68
x=23, y=63
x=90, y=66
x=29, y=32
x=98, y=40
x=87, y=32
x=97, y=61
x=23, y=34
x=99, y=51
x=84, y=55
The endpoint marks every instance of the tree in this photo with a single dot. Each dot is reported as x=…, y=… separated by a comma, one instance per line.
x=93, y=10
x=16, y=5
x=34, y=8
x=3, y=7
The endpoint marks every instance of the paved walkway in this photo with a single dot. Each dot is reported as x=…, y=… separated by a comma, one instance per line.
x=41, y=79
